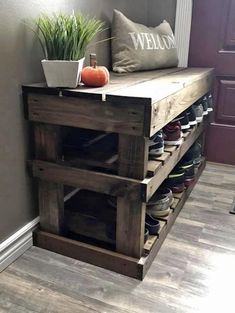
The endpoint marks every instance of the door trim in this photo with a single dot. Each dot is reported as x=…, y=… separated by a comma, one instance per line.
x=183, y=21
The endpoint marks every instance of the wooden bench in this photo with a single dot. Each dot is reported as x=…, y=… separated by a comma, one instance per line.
x=134, y=107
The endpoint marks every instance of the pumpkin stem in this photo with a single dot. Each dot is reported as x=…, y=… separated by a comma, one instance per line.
x=93, y=60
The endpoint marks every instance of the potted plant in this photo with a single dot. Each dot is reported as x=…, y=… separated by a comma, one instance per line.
x=64, y=40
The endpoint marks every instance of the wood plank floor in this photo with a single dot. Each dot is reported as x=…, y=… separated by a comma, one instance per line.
x=193, y=272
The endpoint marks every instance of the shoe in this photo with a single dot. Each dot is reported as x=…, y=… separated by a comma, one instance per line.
x=198, y=109
x=172, y=134
x=166, y=192
x=175, y=180
x=191, y=116
x=152, y=224
x=205, y=105
x=158, y=202
x=161, y=213
x=146, y=234
x=189, y=171
x=209, y=103
x=184, y=121
x=195, y=154
x=156, y=145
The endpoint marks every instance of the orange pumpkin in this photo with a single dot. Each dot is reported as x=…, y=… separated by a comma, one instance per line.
x=93, y=75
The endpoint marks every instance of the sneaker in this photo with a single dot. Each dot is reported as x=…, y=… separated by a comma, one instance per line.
x=191, y=116
x=156, y=145
x=205, y=105
x=172, y=134
x=210, y=103
x=198, y=109
x=195, y=154
x=159, y=202
x=184, y=121
x=146, y=234
x=161, y=213
x=189, y=171
x=152, y=224
x=175, y=180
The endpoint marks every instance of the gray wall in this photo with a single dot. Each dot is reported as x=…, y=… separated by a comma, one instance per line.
x=20, y=63
x=161, y=9
x=20, y=58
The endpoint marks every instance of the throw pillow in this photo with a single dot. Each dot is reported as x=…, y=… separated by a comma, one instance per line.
x=136, y=47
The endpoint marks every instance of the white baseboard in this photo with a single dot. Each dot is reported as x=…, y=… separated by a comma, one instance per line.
x=17, y=244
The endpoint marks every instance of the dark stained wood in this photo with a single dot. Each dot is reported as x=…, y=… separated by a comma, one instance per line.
x=133, y=156
x=198, y=251
x=170, y=149
x=130, y=227
x=94, y=181
x=150, y=185
x=141, y=109
x=84, y=113
x=51, y=198
x=145, y=262
x=194, y=84
x=153, y=167
x=164, y=157
x=117, y=82
x=133, y=160
x=87, y=253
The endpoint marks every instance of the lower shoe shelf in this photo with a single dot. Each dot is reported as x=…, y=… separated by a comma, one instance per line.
x=129, y=266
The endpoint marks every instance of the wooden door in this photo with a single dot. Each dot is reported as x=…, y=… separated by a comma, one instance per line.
x=213, y=45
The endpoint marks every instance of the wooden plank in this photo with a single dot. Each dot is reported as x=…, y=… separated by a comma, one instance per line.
x=130, y=227
x=117, y=82
x=164, y=157
x=152, y=238
x=133, y=156
x=85, y=179
x=85, y=113
x=133, y=160
x=166, y=109
x=170, y=149
x=146, y=261
x=179, y=195
x=175, y=203
x=87, y=253
x=186, y=134
x=51, y=195
x=150, y=185
x=153, y=167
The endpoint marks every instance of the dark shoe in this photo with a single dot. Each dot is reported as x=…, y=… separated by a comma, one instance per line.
x=198, y=109
x=156, y=145
x=195, y=154
x=191, y=116
x=175, y=180
x=152, y=224
x=172, y=133
x=209, y=103
x=146, y=234
x=166, y=192
x=205, y=105
x=189, y=171
x=184, y=121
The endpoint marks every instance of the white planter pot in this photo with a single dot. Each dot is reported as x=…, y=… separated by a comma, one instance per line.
x=61, y=73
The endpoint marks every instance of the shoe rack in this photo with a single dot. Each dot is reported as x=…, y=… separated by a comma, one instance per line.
x=127, y=112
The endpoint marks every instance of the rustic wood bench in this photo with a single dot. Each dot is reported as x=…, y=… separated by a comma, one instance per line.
x=134, y=107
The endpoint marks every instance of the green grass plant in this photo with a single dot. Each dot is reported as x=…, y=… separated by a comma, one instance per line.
x=66, y=37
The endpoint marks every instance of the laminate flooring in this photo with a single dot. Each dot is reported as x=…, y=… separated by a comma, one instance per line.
x=193, y=272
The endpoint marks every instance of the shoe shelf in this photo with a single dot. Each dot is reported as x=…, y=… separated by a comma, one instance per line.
x=113, y=161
